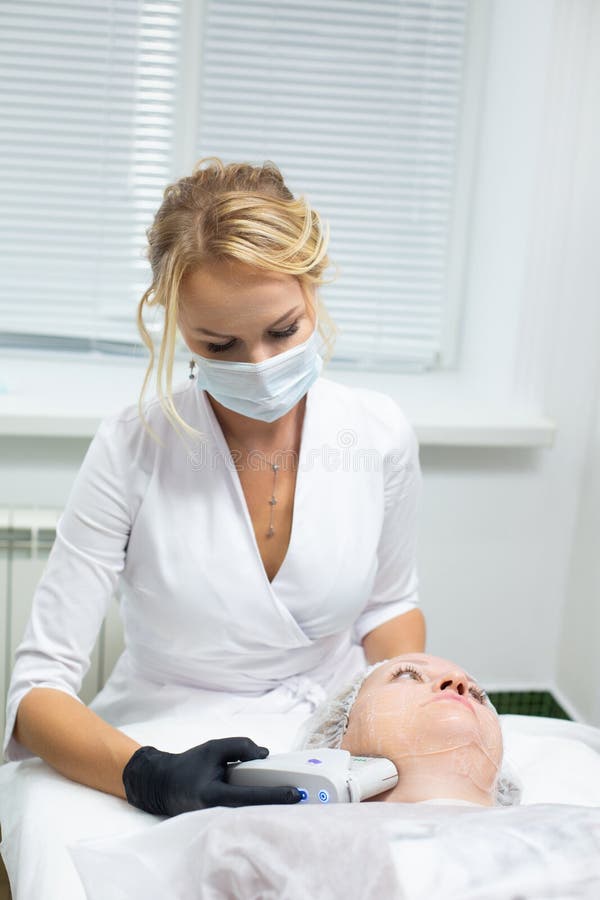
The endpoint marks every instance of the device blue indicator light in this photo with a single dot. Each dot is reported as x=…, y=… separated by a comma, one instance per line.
x=323, y=796
x=303, y=795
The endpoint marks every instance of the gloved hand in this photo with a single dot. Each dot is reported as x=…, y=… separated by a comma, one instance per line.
x=167, y=784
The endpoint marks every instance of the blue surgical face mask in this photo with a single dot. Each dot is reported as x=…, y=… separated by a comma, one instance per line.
x=266, y=390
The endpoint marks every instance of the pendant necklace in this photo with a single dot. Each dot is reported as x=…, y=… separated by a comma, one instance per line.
x=273, y=499
x=274, y=466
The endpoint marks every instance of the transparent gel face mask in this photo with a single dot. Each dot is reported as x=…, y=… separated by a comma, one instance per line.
x=457, y=745
x=436, y=741
x=266, y=390
x=426, y=715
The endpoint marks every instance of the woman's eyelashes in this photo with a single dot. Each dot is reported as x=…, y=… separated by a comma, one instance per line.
x=407, y=668
x=277, y=335
x=479, y=695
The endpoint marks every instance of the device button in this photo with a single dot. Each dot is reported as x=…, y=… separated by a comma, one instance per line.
x=323, y=796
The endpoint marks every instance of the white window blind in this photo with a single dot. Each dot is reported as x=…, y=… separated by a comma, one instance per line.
x=359, y=104
x=87, y=111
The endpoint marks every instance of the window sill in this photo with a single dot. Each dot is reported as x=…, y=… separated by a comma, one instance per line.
x=441, y=410
x=459, y=428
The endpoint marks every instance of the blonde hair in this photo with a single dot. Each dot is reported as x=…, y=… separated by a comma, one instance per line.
x=233, y=212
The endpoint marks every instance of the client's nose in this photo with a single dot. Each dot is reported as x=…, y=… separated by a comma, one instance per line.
x=454, y=681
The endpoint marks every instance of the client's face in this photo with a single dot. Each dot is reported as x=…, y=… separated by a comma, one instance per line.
x=435, y=724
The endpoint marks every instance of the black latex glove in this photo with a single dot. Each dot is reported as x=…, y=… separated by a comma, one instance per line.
x=167, y=784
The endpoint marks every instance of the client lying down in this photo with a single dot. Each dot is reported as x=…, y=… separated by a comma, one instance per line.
x=429, y=718
x=439, y=729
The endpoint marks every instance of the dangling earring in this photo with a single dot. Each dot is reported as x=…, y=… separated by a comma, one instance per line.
x=192, y=364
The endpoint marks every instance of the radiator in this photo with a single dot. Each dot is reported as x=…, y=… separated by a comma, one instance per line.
x=26, y=538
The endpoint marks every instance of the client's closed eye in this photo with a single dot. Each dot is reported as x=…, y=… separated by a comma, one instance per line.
x=479, y=695
x=407, y=668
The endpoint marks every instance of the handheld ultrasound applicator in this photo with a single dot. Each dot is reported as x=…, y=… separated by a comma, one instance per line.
x=321, y=776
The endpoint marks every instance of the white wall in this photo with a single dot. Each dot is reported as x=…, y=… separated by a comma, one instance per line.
x=510, y=579
x=519, y=532
x=578, y=666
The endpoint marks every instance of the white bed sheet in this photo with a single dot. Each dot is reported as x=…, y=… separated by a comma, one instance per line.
x=42, y=813
x=367, y=852
x=71, y=839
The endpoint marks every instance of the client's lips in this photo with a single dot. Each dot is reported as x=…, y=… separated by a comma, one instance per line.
x=457, y=697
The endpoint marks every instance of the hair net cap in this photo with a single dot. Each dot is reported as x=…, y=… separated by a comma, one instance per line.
x=327, y=725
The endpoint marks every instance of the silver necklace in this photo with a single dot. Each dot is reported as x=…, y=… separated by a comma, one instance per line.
x=273, y=500
x=274, y=466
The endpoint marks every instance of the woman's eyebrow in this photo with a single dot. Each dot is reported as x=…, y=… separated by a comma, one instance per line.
x=414, y=662
x=274, y=325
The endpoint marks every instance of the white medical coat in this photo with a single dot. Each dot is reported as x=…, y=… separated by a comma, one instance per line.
x=169, y=528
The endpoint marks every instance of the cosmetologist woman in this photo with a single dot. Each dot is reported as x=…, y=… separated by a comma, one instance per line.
x=258, y=519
